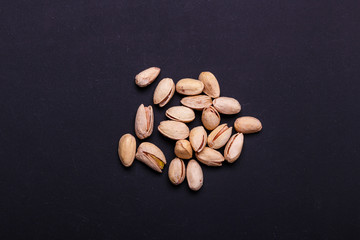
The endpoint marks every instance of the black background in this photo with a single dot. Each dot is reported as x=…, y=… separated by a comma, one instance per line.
x=67, y=94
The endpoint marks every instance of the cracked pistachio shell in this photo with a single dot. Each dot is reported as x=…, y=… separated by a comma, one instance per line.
x=210, y=157
x=211, y=85
x=181, y=114
x=151, y=155
x=127, y=149
x=227, y=105
x=194, y=175
x=198, y=138
x=173, y=129
x=219, y=136
x=198, y=102
x=210, y=118
x=183, y=149
x=164, y=92
x=176, y=171
x=189, y=86
x=144, y=121
x=247, y=125
x=234, y=147
x=147, y=76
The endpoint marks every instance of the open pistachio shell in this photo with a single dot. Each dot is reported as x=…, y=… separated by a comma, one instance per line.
x=164, y=92
x=198, y=138
x=198, y=102
x=234, y=147
x=151, y=155
x=176, y=171
x=219, y=136
x=181, y=114
x=210, y=157
x=144, y=121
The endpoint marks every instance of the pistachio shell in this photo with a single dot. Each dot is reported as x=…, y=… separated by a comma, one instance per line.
x=144, y=121
x=151, y=155
x=183, y=149
x=197, y=138
x=189, y=86
x=210, y=157
x=198, y=102
x=147, y=76
x=234, y=147
x=176, y=171
x=219, y=136
x=194, y=175
x=211, y=85
x=164, y=92
x=210, y=118
x=181, y=114
x=127, y=149
x=173, y=129
x=247, y=125
x=227, y=105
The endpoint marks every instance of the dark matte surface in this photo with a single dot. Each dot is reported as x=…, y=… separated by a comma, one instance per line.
x=67, y=95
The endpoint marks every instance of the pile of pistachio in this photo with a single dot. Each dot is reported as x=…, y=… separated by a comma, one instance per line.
x=211, y=105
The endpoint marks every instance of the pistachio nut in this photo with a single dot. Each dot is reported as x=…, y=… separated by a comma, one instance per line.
x=189, y=86
x=210, y=157
x=194, y=175
x=127, y=149
x=197, y=138
x=198, y=102
x=183, y=149
x=147, y=76
x=144, y=121
x=151, y=155
x=234, y=147
x=173, y=129
x=176, y=171
x=211, y=85
x=247, y=125
x=227, y=105
x=164, y=92
x=219, y=136
x=210, y=118
x=181, y=114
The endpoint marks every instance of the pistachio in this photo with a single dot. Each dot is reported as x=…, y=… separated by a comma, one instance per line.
x=247, y=125
x=173, y=129
x=194, y=175
x=211, y=85
x=197, y=138
x=181, y=114
x=219, y=136
x=234, y=147
x=189, y=86
x=144, y=121
x=210, y=157
x=183, y=149
x=176, y=171
x=164, y=92
x=210, y=118
x=227, y=105
x=198, y=102
x=151, y=155
x=127, y=149
x=147, y=76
